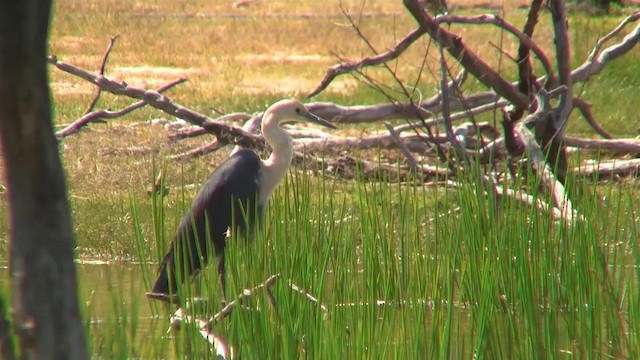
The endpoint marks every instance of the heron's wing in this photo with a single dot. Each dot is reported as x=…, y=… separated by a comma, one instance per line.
x=232, y=186
x=228, y=195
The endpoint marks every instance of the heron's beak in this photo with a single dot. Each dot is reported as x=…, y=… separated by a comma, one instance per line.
x=317, y=120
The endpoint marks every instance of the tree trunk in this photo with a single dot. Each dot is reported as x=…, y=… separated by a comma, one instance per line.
x=44, y=297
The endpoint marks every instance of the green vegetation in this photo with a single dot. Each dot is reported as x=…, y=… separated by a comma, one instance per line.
x=458, y=278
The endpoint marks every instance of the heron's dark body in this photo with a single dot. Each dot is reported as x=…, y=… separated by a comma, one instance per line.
x=228, y=199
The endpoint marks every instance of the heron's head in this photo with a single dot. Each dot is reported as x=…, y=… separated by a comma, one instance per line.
x=293, y=110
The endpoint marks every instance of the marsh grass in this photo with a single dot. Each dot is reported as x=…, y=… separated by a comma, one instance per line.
x=457, y=278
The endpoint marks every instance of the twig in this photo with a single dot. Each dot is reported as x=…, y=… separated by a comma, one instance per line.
x=585, y=110
x=413, y=164
x=415, y=109
x=595, y=64
x=344, y=68
x=245, y=294
x=525, y=72
x=446, y=113
x=309, y=297
x=626, y=21
x=103, y=65
x=170, y=299
x=222, y=350
x=465, y=56
x=108, y=114
x=226, y=134
x=523, y=37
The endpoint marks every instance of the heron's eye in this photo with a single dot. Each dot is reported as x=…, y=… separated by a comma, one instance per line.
x=298, y=110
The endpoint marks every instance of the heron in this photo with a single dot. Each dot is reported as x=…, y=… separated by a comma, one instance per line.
x=232, y=199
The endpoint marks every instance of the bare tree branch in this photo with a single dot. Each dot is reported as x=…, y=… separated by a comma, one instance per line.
x=222, y=350
x=108, y=114
x=410, y=38
x=596, y=63
x=609, y=170
x=413, y=164
x=245, y=294
x=523, y=37
x=308, y=296
x=103, y=65
x=345, y=68
x=189, y=133
x=467, y=58
x=585, y=110
x=226, y=134
x=561, y=32
x=525, y=72
x=621, y=146
x=626, y=21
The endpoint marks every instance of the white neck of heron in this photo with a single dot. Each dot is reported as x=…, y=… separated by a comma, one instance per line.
x=275, y=167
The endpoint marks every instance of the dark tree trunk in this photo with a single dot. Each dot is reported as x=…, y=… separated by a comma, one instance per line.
x=46, y=315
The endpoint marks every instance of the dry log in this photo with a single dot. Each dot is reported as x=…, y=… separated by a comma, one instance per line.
x=619, y=146
x=609, y=170
x=546, y=175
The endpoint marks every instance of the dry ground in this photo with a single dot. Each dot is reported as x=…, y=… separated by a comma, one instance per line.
x=236, y=59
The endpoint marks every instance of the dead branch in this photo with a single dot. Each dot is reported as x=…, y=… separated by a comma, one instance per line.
x=537, y=158
x=446, y=111
x=108, y=114
x=344, y=68
x=526, y=77
x=309, y=297
x=467, y=58
x=626, y=21
x=226, y=134
x=523, y=37
x=593, y=66
x=596, y=63
x=245, y=294
x=222, y=350
x=609, y=170
x=189, y=133
x=518, y=195
x=395, y=136
x=103, y=65
x=410, y=38
x=561, y=32
x=585, y=110
x=619, y=146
